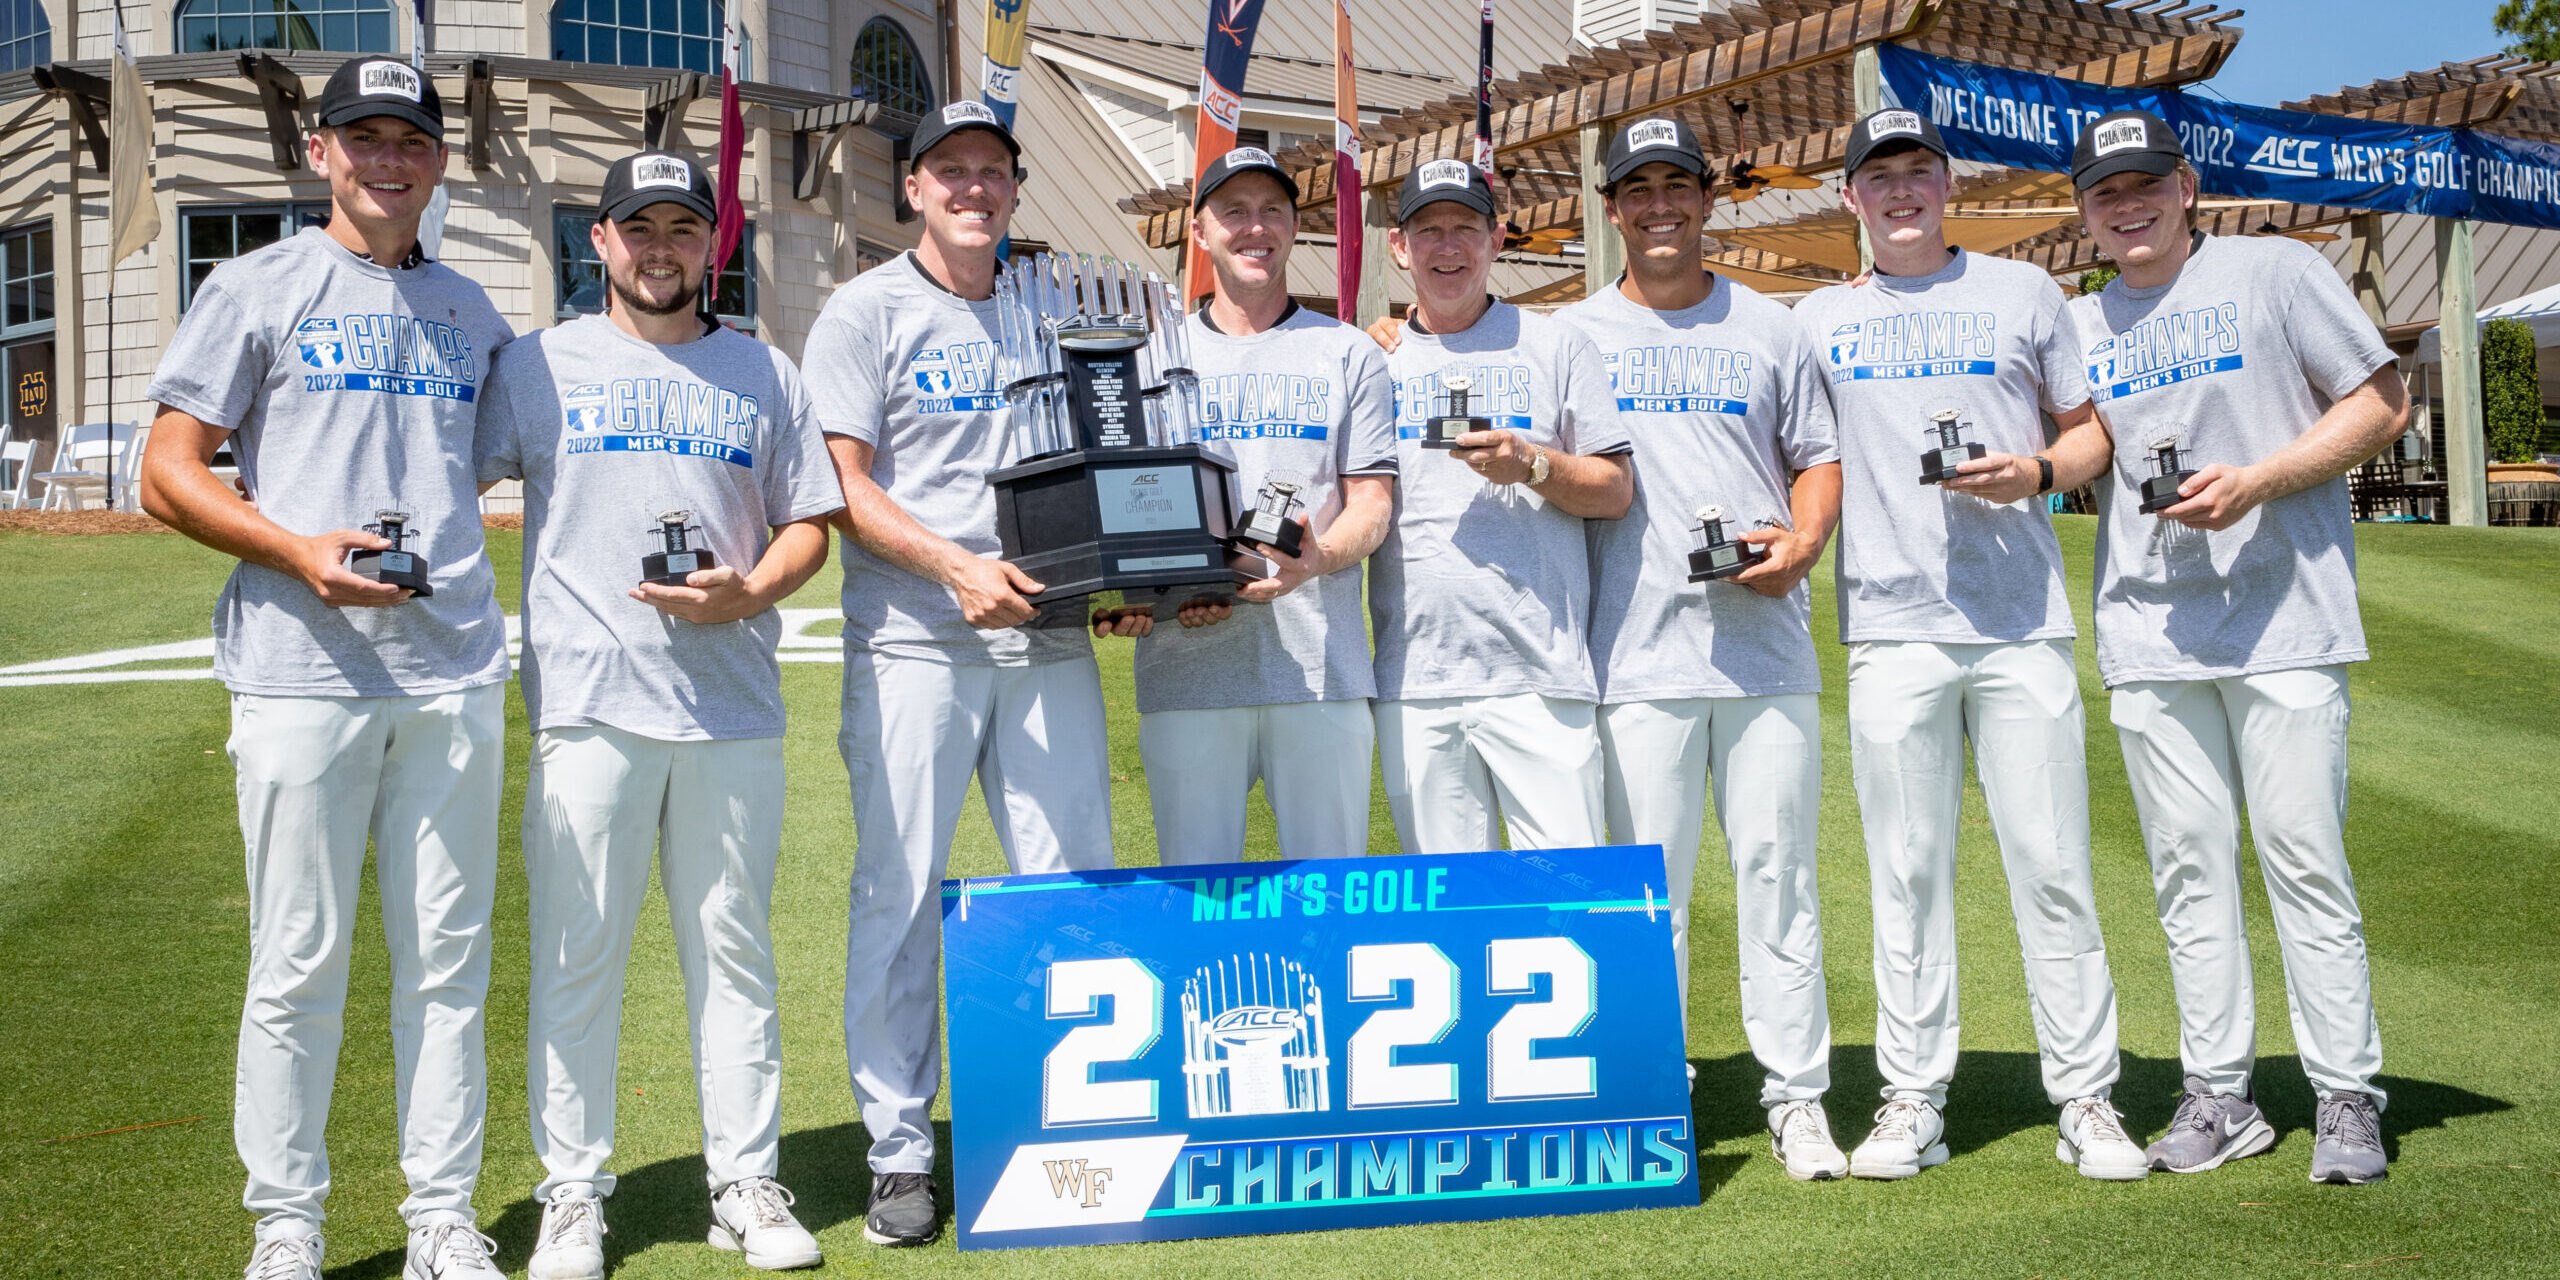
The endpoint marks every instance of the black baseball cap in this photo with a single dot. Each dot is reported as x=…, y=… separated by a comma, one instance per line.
x=1889, y=126
x=2124, y=142
x=1436, y=180
x=1243, y=160
x=1659, y=140
x=363, y=87
x=652, y=177
x=951, y=118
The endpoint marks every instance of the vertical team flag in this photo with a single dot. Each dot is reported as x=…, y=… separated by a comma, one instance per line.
x=1222, y=66
x=431, y=224
x=1001, y=65
x=733, y=152
x=133, y=214
x=1484, y=95
x=1348, y=226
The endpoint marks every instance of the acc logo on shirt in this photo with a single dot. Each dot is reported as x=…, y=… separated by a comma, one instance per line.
x=1844, y=343
x=933, y=372
x=322, y=347
x=583, y=408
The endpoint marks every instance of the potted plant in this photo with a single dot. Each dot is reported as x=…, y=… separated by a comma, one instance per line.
x=2521, y=490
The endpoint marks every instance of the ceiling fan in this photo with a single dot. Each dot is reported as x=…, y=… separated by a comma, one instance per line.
x=1746, y=181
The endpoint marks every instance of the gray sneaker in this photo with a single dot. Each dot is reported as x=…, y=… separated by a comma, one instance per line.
x=902, y=1211
x=2209, y=1129
x=2349, y=1149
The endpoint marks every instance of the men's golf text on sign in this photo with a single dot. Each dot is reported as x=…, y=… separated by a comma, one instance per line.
x=1294, y=1046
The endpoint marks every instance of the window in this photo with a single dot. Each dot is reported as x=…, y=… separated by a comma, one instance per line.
x=887, y=70
x=582, y=288
x=337, y=26
x=679, y=35
x=26, y=35
x=217, y=235
x=26, y=280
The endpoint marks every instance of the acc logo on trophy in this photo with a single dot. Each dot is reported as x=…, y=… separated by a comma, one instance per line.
x=322, y=348
x=1253, y=1040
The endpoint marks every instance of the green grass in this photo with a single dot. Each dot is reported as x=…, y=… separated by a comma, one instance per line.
x=122, y=945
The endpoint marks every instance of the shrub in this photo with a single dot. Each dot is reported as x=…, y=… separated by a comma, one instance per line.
x=2096, y=278
x=2510, y=389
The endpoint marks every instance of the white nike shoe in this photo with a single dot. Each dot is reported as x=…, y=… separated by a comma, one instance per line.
x=1800, y=1137
x=570, y=1245
x=1909, y=1136
x=451, y=1250
x=2093, y=1138
x=753, y=1216
x=284, y=1257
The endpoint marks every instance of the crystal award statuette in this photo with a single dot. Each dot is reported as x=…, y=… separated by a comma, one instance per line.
x=395, y=564
x=1442, y=431
x=2160, y=491
x=668, y=567
x=1720, y=555
x=1269, y=524
x=1939, y=462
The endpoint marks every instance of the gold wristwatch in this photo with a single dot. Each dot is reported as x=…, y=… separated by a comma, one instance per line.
x=1540, y=467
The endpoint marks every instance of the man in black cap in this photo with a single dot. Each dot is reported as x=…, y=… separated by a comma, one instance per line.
x=343, y=366
x=2242, y=382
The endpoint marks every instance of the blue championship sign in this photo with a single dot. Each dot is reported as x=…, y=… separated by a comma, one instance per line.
x=1295, y=1046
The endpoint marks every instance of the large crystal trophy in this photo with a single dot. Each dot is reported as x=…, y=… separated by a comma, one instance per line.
x=2169, y=470
x=1939, y=462
x=1109, y=490
x=676, y=559
x=394, y=565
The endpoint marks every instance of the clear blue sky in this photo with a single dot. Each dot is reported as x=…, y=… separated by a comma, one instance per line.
x=2292, y=49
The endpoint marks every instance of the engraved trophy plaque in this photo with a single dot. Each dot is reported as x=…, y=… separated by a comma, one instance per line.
x=1443, y=430
x=395, y=564
x=1110, y=490
x=1938, y=462
x=2169, y=470
x=1269, y=525
x=1718, y=554
x=676, y=556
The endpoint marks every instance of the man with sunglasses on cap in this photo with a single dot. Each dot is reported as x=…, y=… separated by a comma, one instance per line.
x=656, y=701
x=2226, y=615
x=1952, y=605
x=1276, y=687
x=1715, y=684
x=1482, y=587
x=940, y=684
x=343, y=365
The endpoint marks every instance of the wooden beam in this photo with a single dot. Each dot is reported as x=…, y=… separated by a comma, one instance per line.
x=662, y=113
x=479, y=112
x=86, y=95
x=280, y=94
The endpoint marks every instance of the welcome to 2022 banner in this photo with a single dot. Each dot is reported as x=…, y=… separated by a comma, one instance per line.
x=1290, y=1046
x=2029, y=121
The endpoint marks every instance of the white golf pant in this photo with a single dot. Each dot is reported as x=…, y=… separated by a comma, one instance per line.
x=316, y=776
x=915, y=731
x=1311, y=757
x=598, y=802
x=1763, y=758
x=1912, y=706
x=1457, y=770
x=2195, y=752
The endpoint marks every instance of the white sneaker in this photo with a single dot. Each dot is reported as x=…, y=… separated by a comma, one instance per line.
x=571, y=1243
x=285, y=1257
x=2093, y=1138
x=1909, y=1136
x=1800, y=1137
x=753, y=1216
x=450, y=1250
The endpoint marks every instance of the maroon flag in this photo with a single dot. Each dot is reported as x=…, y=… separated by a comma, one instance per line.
x=1347, y=226
x=733, y=153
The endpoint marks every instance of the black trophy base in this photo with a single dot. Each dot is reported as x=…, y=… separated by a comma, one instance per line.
x=669, y=568
x=1151, y=523
x=1724, y=560
x=1267, y=530
x=393, y=568
x=1443, y=432
x=1938, y=466
x=2159, y=493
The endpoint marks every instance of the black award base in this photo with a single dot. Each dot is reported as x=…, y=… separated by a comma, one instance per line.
x=1271, y=531
x=2159, y=493
x=1442, y=432
x=1150, y=523
x=1724, y=559
x=1937, y=466
x=393, y=568
x=668, y=568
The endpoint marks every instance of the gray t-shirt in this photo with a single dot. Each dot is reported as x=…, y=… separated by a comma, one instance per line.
x=1727, y=399
x=607, y=431
x=909, y=368
x=2237, y=357
x=1483, y=590
x=1916, y=562
x=349, y=389
x=1307, y=402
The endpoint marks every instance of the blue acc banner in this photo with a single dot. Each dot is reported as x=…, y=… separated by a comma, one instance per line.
x=2030, y=121
x=1293, y=1046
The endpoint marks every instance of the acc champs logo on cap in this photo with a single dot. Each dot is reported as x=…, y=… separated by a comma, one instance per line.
x=1652, y=133
x=2120, y=135
x=1445, y=173
x=1891, y=123
x=1243, y=156
x=322, y=347
x=583, y=408
x=662, y=171
x=1253, y=1039
x=388, y=79
x=968, y=113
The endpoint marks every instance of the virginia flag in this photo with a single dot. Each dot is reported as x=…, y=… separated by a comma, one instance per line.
x=133, y=214
x=1348, y=228
x=1222, y=65
x=733, y=151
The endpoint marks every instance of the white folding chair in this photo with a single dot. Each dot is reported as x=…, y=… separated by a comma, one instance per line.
x=17, y=469
x=80, y=464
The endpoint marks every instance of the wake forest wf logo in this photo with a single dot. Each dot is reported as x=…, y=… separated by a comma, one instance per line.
x=1077, y=1180
x=1253, y=1039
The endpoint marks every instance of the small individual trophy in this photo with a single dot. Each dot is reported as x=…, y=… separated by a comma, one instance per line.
x=2160, y=491
x=1720, y=555
x=1443, y=430
x=1269, y=524
x=669, y=567
x=393, y=564
x=1938, y=464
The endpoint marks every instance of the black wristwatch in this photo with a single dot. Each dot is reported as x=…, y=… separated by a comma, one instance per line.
x=2044, y=474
